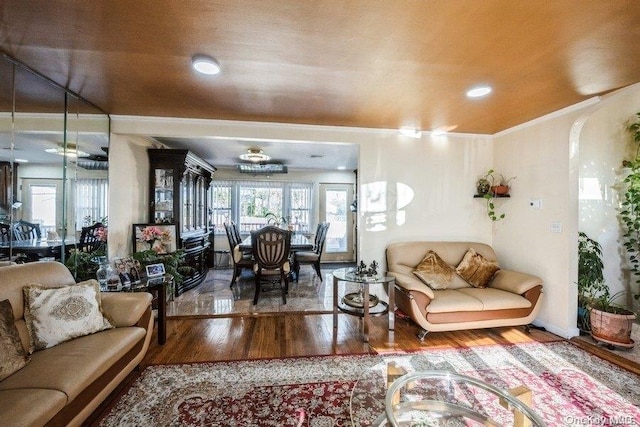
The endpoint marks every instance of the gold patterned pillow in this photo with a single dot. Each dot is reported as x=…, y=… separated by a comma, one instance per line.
x=476, y=270
x=12, y=355
x=56, y=315
x=434, y=272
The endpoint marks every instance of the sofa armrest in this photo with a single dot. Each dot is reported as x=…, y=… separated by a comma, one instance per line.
x=125, y=308
x=514, y=281
x=412, y=283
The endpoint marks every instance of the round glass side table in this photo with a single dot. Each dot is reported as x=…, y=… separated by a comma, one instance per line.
x=353, y=303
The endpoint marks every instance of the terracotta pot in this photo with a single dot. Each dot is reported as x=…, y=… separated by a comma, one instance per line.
x=612, y=328
x=500, y=190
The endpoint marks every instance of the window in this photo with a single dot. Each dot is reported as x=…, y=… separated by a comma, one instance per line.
x=220, y=204
x=247, y=203
x=43, y=206
x=91, y=201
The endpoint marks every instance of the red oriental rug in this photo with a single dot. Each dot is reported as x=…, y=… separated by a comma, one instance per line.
x=570, y=387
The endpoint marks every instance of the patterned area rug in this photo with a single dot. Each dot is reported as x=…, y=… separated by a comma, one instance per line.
x=570, y=387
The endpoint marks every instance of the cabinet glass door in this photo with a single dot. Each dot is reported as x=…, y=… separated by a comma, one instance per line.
x=163, y=196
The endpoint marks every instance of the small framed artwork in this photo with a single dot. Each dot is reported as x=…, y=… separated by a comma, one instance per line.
x=155, y=270
x=160, y=238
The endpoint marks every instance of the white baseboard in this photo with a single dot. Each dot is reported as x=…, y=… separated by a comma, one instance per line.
x=564, y=333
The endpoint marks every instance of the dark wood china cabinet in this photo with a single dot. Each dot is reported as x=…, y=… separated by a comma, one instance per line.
x=179, y=182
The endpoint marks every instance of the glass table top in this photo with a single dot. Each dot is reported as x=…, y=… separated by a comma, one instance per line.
x=348, y=274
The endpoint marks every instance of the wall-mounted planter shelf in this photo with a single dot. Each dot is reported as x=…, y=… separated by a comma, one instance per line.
x=498, y=196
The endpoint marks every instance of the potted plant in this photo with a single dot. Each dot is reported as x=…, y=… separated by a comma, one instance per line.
x=590, y=277
x=610, y=323
x=630, y=206
x=492, y=185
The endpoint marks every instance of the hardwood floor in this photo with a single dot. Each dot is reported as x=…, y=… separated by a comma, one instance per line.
x=291, y=335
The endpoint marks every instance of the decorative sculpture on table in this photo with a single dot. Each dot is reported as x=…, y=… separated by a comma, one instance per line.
x=361, y=270
x=362, y=273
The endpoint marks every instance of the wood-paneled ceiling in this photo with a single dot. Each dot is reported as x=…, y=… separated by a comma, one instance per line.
x=369, y=63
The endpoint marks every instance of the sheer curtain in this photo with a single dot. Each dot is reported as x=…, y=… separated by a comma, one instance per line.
x=92, y=196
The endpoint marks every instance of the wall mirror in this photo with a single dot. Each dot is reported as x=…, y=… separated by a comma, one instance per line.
x=53, y=164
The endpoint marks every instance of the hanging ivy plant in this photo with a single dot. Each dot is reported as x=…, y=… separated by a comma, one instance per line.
x=630, y=207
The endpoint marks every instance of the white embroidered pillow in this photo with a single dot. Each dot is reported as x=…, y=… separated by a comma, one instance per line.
x=56, y=315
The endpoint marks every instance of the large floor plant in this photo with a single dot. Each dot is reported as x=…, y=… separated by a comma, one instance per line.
x=630, y=208
x=590, y=278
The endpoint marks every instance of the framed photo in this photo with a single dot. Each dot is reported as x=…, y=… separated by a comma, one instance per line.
x=160, y=238
x=128, y=270
x=155, y=270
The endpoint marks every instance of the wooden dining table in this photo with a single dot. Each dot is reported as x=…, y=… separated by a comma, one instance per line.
x=299, y=242
x=38, y=248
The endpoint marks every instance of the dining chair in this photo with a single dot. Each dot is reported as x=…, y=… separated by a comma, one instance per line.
x=25, y=230
x=271, y=246
x=239, y=259
x=6, y=235
x=313, y=256
x=89, y=242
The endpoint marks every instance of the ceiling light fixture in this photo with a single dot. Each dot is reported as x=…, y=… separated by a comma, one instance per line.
x=411, y=132
x=255, y=155
x=21, y=160
x=70, y=151
x=205, y=64
x=479, y=91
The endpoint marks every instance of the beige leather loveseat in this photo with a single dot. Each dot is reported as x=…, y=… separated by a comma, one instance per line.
x=510, y=298
x=64, y=384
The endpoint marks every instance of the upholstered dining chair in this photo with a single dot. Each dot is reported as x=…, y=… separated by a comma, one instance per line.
x=6, y=235
x=271, y=246
x=25, y=230
x=89, y=242
x=312, y=257
x=239, y=259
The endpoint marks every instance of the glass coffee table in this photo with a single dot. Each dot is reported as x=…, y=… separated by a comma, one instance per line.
x=389, y=394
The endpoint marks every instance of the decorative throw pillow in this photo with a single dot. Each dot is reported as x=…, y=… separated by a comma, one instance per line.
x=433, y=271
x=55, y=315
x=12, y=355
x=476, y=270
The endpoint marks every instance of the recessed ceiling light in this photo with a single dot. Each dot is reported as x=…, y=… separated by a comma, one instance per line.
x=479, y=91
x=341, y=168
x=70, y=151
x=21, y=160
x=255, y=155
x=205, y=64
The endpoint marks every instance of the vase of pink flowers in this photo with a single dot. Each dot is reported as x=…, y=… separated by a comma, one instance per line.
x=154, y=237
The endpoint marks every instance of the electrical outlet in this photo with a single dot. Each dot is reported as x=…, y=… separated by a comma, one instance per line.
x=556, y=227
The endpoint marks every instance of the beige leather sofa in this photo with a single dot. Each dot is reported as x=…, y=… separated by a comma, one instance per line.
x=64, y=384
x=511, y=298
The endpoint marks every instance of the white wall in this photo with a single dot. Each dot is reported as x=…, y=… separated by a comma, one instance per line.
x=128, y=190
x=603, y=143
x=538, y=154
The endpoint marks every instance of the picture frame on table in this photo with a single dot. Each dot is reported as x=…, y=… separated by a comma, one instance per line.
x=160, y=238
x=129, y=271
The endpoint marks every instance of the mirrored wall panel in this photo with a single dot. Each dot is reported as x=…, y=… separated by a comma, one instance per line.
x=53, y=167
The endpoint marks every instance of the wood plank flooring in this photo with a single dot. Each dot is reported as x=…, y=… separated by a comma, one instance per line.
x=291, y=335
